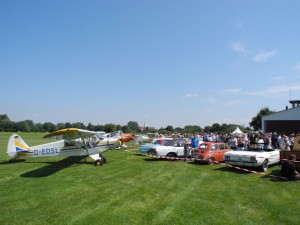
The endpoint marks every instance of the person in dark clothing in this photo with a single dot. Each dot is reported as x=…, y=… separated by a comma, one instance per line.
x=274, y=140
x=288, y=169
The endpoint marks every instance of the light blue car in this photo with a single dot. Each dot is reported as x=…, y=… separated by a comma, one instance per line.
x=156, y=142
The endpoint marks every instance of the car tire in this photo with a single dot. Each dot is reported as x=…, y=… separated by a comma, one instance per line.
x=171, y=154
x=152, y=152
x=211, y=161
x=264, y=166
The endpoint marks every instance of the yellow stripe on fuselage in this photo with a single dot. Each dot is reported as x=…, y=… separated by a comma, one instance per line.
x=18, y=144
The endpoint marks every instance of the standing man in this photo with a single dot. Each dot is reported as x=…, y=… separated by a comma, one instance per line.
x=195, y=143
x=274, y=140
x=187, y=145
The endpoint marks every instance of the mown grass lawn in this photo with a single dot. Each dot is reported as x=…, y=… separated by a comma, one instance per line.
x=133, y=189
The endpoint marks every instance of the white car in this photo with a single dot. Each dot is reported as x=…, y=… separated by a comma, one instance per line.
x=256, y=155
x=171, y=148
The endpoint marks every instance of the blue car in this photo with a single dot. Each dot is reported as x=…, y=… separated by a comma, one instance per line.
x=156, y=142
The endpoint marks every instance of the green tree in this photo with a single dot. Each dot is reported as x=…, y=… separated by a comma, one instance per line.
x=110, y=128
x=68, y=125
x=126, y=129
x=49, y=127
x=216, y=128
x=90, y=127
x=256, y=121
x=99, y=128
x=178, y=130
x=192, y=129
x=133, y=126
x=78, y=125
x=39, y=127
x=23, y=126
x=169, y=128
x=4, y=122
x=60, y=126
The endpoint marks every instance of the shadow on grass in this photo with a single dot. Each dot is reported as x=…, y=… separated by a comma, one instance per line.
x=229, y=169
x=160, y=159
x=53, y=167
x=275, y=176
x=12, y=161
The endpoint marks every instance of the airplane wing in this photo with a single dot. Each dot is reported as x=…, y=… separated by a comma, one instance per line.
x=70, y=133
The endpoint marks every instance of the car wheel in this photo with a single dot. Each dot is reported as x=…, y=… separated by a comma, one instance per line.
x=211, y=161
x=98, y=162
x=264, y=166
x=171, y=154
x=152, y=152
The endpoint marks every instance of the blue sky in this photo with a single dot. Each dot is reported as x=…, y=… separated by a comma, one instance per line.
x=157, y=62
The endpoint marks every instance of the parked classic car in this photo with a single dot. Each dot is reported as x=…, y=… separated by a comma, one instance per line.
x=156, y=142
x=209, y=152
x=172, y=148
x=255, y=155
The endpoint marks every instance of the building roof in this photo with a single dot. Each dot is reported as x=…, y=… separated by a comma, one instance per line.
x=289, y=114
x=294, y=101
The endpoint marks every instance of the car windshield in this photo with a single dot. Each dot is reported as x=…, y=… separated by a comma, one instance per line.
x=260, y=147
x=203, y=146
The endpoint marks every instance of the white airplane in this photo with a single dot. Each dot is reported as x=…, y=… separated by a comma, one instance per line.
x=141, y=138
x=75, y=142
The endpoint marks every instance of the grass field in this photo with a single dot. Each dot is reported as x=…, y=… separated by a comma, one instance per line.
x=133, y=189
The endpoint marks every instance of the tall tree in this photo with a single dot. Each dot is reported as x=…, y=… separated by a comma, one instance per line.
x=256, y=121
x=134, y=126
x=4, y=122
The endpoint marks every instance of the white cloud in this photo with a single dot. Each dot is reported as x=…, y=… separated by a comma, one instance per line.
x=233, y=91
x=276, y=90
x=190, y=95
x=238, y=47
x=264, y=56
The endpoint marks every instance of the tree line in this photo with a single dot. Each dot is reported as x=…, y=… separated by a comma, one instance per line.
x=6, y=125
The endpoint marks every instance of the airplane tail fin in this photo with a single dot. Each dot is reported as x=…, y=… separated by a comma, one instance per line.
x=16, y=145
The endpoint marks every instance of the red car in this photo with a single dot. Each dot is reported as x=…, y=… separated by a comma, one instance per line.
x=209, y=152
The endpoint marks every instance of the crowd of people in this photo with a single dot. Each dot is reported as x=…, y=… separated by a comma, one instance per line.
x=241, y=141
x=278, y=141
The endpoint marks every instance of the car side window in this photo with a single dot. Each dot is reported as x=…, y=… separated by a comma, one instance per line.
x=214, y=147
x=222, y=147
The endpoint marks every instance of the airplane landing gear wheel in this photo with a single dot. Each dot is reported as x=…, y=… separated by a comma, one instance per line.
x=98, y=162
x=103, y=158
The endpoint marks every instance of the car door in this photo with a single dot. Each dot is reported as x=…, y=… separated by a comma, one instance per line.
x=221, y=152
x=214, y=151
x=179, y=148
x=274, y=156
